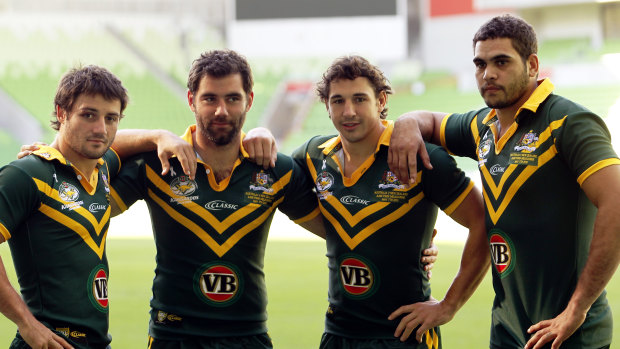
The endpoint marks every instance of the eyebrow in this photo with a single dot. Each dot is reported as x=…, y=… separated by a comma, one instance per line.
x=358, y=94
x=95, y=111
x=494, y=58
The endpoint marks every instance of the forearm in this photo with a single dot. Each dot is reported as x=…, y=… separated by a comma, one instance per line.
x=603, y=260
x=11, y=304
x=133, y=141
x=475, y=263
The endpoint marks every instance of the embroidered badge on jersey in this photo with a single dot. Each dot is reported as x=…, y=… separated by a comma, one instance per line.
x=358, y=276
x=218, y=284
x=98, y=288
x=69, y=193
x=503, y=253
x=484, y=148
x=260, y=189
x=523, y=150
x=168, y=319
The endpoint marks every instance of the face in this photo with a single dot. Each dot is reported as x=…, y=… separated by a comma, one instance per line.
x=355, y=110
x=89, y=129
x=502, y=76
x=220, y=105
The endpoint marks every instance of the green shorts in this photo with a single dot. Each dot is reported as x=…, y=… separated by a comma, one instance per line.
x=430, y=340
x=259, y=341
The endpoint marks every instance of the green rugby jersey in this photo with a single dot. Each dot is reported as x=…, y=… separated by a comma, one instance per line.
x=376, y=231
x=539, y=220
x=210, y=239
x=56, y=223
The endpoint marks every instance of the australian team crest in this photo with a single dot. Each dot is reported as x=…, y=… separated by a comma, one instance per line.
x=484, y=149
x=527, y=143
x=261, y=181
x=183, y=186
x=389, y=180
x=68, y=192
x=324, y=181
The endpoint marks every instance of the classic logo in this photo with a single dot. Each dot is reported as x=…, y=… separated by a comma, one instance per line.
x=352, y=199
x=357, y=277
x=497, y=169
x=218, y=284
x=324, y=181
x=527, y=143
x=78, y=334
x=389, y=180
x=502, y=253
x=217, y=205
x=98, y=288
x=68, y=192
x=183, y=186
x=484, y=149
x=95, y=207
x=261, y=181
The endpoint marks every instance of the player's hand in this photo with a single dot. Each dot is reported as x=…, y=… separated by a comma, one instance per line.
x=556, y=330
x=429, y=256
x=40, y=337
x=27, y=149
x=169, y=145
x=261, y=147
x=420, y=317
x=406, y=143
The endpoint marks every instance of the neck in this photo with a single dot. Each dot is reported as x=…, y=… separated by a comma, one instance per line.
x=355, y=153
x=221, y=158
x=85, y=165
x=506, y=116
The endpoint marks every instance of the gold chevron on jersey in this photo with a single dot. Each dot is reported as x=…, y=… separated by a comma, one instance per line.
x=99, y=226
x=219, y=226
x=372, y=228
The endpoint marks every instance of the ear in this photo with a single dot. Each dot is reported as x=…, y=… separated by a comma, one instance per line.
x=532, y=65
x=382, y=100
x=250, y=100
x=190, y=100
x=61, y=115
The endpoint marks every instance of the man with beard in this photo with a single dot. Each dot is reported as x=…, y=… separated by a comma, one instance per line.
x=55, y=214
x=210, y=231
x=551, y=185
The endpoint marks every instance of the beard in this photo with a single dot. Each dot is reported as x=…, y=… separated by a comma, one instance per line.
x=512, y=93
x=80, y=144
x=219, y=136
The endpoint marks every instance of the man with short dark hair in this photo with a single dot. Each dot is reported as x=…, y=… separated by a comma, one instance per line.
x=551, y=185
x=377, y=226
x=54, y=212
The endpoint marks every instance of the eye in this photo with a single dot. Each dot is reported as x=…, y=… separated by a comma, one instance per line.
x=337, y=101
x=359, y=99
x=233, y=99
x=88, y=115
x=112, y=118
x=480, y=65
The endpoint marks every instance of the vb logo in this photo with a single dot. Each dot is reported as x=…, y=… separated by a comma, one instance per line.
x=218, y=284
x=502, y=253
x=357, y=277
x=98, y=288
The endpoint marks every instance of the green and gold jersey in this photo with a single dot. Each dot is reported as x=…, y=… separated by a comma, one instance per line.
x=56, y=222
x=539, y=220
x=210, y=239
x=376, y=231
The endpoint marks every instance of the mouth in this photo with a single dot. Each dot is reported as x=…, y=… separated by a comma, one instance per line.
x=491, y=88
x=349, y=125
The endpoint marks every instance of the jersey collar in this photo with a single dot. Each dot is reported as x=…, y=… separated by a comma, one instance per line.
x=187, y=136
x=540, y=94
x=49, y=153
x=334, y=144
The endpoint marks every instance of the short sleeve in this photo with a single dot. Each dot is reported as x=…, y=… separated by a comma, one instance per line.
x=300, y=202
x=129, y=185
x=460, y=134
x=19, y=197
x=584, y=142
x=445, y=185
x=113, y=162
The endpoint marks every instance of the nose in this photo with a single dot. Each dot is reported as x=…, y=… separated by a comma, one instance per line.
x=99, y=126
x=349, y=110
x=489, y=73
x=221, y=109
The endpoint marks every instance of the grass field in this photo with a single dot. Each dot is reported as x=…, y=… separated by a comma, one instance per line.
x=297, y=282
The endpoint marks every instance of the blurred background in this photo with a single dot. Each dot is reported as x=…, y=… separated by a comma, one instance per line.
x=423, y=46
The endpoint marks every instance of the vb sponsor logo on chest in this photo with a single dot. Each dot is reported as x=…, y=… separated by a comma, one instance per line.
x=218, y=284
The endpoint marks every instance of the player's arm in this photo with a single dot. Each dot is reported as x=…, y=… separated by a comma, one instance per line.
x=315, y=226
x=410, y=131
x=13, y=307
x=261, y=147
x=133, y=141
x=475, y=262
x=603, y=189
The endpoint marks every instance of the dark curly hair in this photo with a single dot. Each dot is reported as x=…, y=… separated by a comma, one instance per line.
x=88, y=80
x=217, y=64
x=351, y=67
x=521, y=34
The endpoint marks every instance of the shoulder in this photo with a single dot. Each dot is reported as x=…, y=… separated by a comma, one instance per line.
x=33, y=166
x=557, y=107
